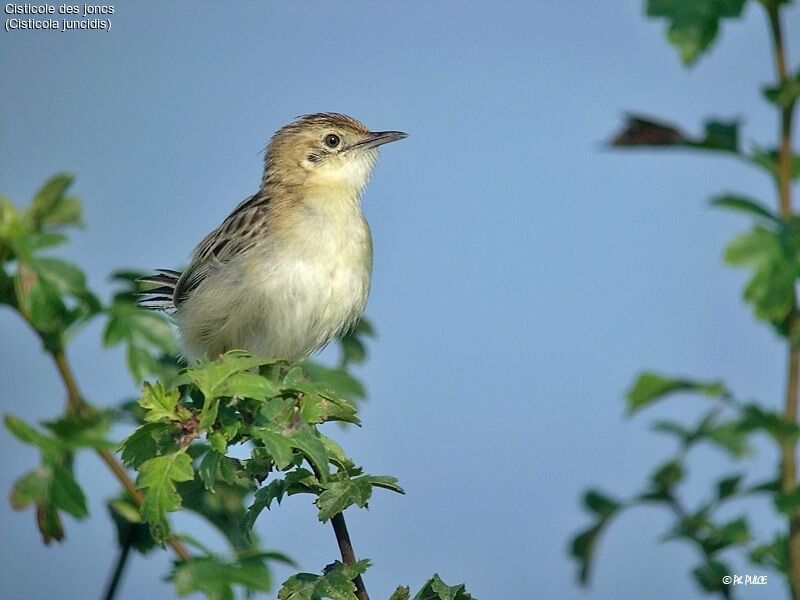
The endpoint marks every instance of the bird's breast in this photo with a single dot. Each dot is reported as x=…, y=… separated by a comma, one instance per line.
x=314, y=284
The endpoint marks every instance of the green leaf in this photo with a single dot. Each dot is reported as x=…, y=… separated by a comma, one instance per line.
x=773, y=554
x=248, y=385
x=307, y=442
x=66, y=212
x=224, y=508
x=316, y=408
x=273, y=491
x=338, y=381
x=709, y=576
x=436, y=589
x=279, y=447
x=25, y=433
x=208, y=469
x=130, y=528
x=786, y=93
x=583, y=548
x=788, y=502
x=159, y=403
x=340, y=494
x=730, y=437
x=212, y=377
x=157, y=478
x=755, y=418
x=146, y=335
x=668, y=475
x=768, y=159
x=693, y=24
x=82, y=431
x=401, y=593
x=650, y=386
x=47, y=199
x=336, y=583
x=729, y=486
x=745, y=205
x=218, y=442
x=66, y=494
x=216, y=578
x=774, y=269
x=600, y=504
x=51, y=488
x=146, y=442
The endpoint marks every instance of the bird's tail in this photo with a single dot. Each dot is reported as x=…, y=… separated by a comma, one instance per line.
x=163, y=296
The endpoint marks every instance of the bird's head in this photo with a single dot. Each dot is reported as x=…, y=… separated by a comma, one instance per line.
x=325, y=150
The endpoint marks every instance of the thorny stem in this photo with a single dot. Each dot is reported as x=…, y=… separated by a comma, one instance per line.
x=784, y=179
x=77, y=405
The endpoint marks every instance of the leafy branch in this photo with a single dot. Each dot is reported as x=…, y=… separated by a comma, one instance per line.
x=770, y=250
x=185, y=419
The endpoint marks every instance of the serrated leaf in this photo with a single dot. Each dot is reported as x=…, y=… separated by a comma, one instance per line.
x=436, y=589
x=401, y=593
x=693, y=24
x=145, y=442
x=335, y=584
x=771, y=287
x=218, y=442
x=159, y=403
x=265, y=496
x=316, y=408
x=650, y=386
x=157, y=478
x=338, y=495
x=212, y=377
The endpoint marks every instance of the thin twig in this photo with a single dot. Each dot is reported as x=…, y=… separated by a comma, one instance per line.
x=784, y=179
x=119, y=568
x=346, y=549
x=345, y=545
x=77, y=405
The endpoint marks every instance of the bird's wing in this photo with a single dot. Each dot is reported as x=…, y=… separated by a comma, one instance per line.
x=236, y=234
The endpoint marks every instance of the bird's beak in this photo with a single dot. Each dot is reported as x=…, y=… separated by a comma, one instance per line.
x=378, y=138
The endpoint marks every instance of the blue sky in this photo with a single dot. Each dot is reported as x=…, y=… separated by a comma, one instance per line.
x=523, y=272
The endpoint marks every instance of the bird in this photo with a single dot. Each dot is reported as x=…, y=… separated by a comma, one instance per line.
x=289, y=269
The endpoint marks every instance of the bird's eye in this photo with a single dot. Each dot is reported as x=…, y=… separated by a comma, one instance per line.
x=332, y=140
